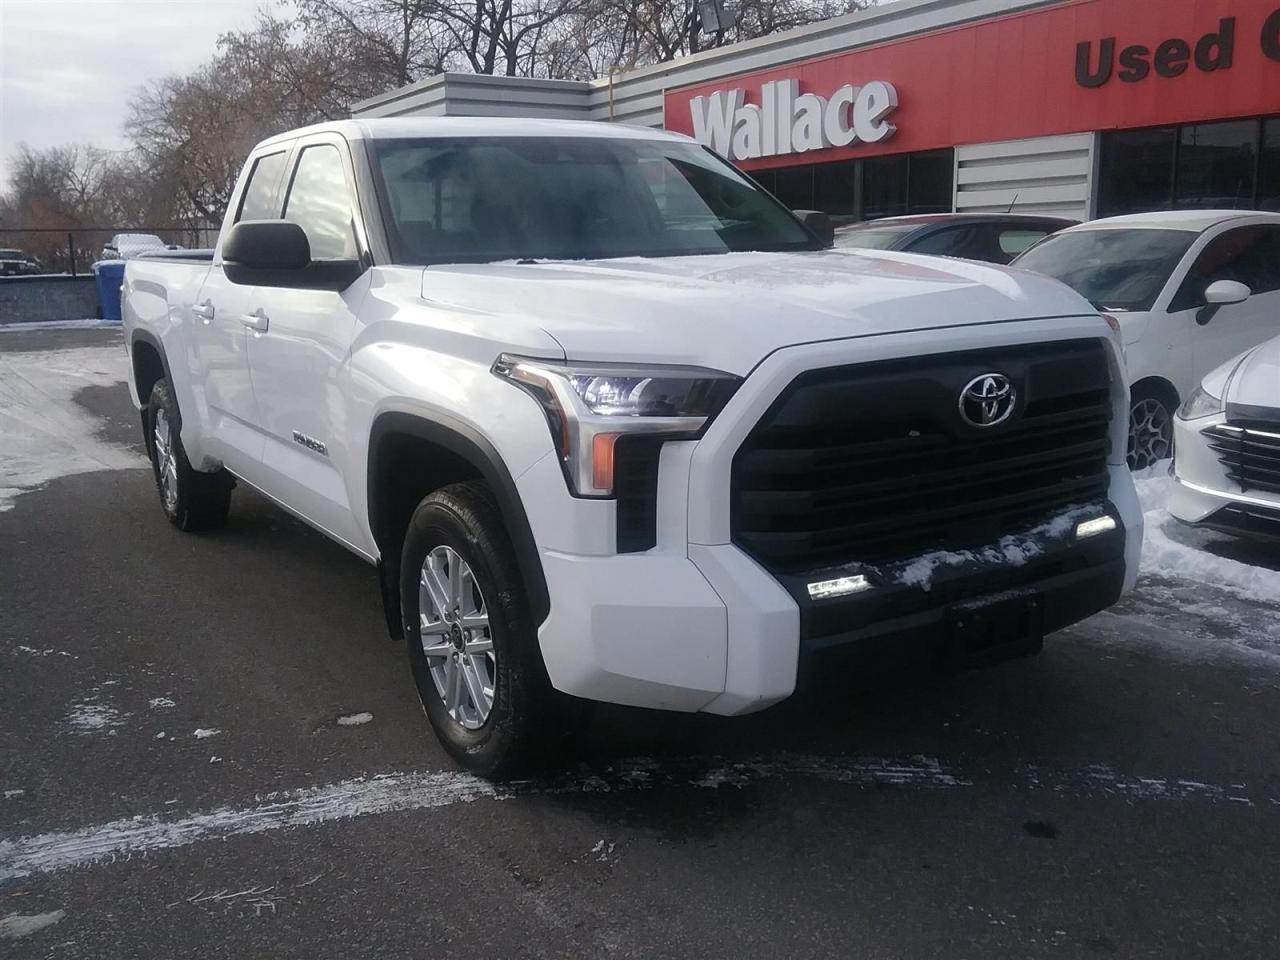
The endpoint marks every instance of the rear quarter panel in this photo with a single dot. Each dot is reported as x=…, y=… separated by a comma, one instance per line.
x=156, y=306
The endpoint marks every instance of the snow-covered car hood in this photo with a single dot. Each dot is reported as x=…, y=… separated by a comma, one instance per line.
x=730, y=311
x=1256, y=381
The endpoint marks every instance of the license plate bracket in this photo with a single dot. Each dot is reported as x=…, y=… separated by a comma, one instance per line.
x=994, y=628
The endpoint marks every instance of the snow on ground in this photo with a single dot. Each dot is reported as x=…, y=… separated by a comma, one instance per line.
x=44, y=434
x=1173, y=550
x=93, y=716
x=17, y=925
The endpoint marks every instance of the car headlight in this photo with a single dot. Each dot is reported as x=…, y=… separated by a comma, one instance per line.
x=590, y=406
x=1201, y=403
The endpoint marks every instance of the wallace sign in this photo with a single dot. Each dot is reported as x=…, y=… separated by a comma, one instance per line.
x=787, y=121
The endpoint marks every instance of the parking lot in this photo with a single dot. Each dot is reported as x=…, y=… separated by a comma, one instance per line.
x=210, y=748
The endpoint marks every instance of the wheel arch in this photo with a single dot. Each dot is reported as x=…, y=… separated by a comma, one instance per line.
x=454, y=452
x=1160, y=387
x=149, y=364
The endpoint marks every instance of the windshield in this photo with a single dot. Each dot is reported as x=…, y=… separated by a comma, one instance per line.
x=1112, y=269
x=12, y=255
x=872, y=237
x=479, y=199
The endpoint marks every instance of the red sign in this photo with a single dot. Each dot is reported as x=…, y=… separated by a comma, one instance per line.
x=1079, y=66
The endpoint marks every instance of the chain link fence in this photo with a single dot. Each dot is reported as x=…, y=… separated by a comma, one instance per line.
x=72, y=251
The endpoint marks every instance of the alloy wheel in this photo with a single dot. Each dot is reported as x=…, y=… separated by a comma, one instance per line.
x=454, y=631
x=166, y=460
x=1150, y=434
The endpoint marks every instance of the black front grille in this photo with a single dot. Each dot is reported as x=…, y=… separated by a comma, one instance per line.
x=1250, y=450
x=873, y=462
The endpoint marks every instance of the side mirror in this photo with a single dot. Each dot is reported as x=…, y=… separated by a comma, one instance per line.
x=1222, y=292
x=1219, y=294
x=819, y=223
x=276, y=253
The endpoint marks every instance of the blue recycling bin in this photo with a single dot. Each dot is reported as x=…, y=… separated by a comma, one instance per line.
x=109, y=275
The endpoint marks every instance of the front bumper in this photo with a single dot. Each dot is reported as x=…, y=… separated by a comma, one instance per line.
x=1204, y=495
x=695, y=624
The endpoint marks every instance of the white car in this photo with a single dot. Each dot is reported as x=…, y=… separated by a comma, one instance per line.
x=1227, y=471
x=1190, y=289
x=614, y=424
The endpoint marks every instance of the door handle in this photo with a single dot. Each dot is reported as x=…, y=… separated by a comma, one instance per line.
x=258, y=321
x=204, y=311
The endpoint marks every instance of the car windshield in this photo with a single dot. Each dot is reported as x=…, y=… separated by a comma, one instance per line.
x=870, y=236
x=12, y=255
x=1114, y=269
x=480, y=199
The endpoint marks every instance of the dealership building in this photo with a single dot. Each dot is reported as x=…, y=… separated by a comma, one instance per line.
x=1080, y=108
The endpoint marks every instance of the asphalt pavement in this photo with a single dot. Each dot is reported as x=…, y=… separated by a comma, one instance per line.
x=210, y=748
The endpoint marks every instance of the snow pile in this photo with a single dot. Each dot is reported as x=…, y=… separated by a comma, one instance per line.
x=204, y=733
x=44, y=434
x=1175, y=551
x=355, y=719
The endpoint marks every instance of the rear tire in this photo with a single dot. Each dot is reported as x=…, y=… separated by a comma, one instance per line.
x=192, y=500
x=473, y=645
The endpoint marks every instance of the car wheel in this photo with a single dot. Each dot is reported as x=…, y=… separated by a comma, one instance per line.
x=192, y=500
x=1150, y=429
x=472, y=642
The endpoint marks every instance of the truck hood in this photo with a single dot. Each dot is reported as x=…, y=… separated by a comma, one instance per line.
x=730, y=311
x=1256, y=381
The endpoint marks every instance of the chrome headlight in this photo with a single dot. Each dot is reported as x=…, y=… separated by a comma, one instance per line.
x=1200, y=404
x=590, y=406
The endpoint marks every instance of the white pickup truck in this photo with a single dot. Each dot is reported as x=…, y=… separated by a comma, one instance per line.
x=617, y=426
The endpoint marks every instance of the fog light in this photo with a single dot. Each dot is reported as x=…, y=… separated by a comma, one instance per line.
x=1091, y=528
x=841, y=587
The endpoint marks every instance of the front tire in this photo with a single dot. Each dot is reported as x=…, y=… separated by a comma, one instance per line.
x=1150, y=427
x=191, y=500
x=472, y=642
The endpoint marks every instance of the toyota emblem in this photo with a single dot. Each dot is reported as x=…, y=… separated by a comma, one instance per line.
x=987, y=400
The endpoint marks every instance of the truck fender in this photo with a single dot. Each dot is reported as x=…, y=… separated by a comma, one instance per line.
x=470, y=446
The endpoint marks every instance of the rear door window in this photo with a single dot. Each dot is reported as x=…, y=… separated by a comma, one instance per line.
x=1018, y=240
x=951, y=242
x=259, y=201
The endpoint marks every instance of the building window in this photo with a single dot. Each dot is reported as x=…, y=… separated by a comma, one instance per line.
x=1269, y=167
x=884, y=186
x=1136, y=171
x=867, y=189
x=1234, y=164
x=1216, y=164
x=931, y=181
x=835, y=188
x=795, y=187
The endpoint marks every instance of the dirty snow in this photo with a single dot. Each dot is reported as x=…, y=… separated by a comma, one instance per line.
x=160, y=703
x=44, y=434
x=1015, y=549
x=355, y=719
x=203, y=733
x=93, y=716
x=17, y=925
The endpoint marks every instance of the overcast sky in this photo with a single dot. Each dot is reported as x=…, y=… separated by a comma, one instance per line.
x=67, y=67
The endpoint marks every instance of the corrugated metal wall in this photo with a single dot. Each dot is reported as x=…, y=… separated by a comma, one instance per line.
x=1044, y=175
